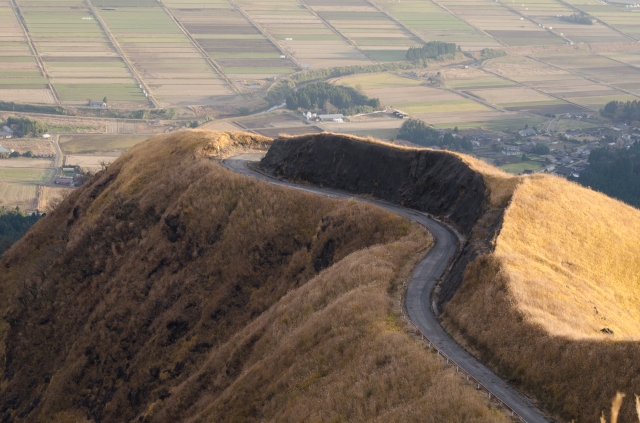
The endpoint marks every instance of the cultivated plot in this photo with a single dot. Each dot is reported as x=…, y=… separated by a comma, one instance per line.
x=303, y=34
x=554, y=16
x=173, y=68
x=623, y=18
x=558, y=83
x=14, y=195
x=77, y=54
x=371, y=30
x=501, y=22
x=21, y=79
x=85, y=143
x=434, y=23
x=229, y=38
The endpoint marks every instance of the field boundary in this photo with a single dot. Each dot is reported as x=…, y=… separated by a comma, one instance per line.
x=624, y=34
x=398, y=22
x=532, y=20
x=120, y=51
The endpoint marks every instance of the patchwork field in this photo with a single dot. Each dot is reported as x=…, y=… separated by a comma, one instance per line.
x=373, y=32
x=231, y=40
x=77, y=55
x=623, y=19
x=433, y=22
x=173, y=68
x=583, y=81
x=303, y=34
x=20, y=76
x=501, y=22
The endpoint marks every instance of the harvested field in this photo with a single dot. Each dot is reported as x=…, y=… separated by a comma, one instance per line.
x=26, y=95
x=38, y=146
x=312, y=42
x=378, y=80
x=280, y=119
x=76, y=144
x=14, y=195
x=23, y=162
x=434, y=23
x=91, y=162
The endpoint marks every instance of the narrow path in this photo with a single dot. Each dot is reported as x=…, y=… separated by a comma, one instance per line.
x=418, y=296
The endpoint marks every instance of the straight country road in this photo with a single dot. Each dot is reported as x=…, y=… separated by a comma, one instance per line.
x=418, y=296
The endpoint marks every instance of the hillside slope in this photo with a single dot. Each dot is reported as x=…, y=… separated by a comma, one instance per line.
x=547, y=288
x=169, y=289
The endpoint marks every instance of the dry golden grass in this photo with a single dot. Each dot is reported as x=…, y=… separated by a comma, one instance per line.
x=565, y=266
x=572, y=258
x=170, y=289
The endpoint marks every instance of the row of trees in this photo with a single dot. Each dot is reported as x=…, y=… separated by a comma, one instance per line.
x=431, y=50
x=628, y=112
x=615, y=173
x=331, y=98
x=420, y=133
x=13, y=225
x=25, y=126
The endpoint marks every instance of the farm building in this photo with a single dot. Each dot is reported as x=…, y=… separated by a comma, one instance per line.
x=63, y=181
x=97, y=104
x=527, y=132
x=331, y=118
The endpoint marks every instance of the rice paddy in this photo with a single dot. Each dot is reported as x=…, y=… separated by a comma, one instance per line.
x=207, y=52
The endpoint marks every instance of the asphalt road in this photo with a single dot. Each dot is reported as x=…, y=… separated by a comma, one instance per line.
x=418, y=296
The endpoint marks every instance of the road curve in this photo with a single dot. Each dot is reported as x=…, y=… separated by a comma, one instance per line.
x=418, y=295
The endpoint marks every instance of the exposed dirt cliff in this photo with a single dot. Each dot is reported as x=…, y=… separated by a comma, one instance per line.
x=437, y=182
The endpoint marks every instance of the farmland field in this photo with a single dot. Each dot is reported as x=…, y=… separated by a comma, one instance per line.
x=20, y=76
x=14, y=195
x=174, y=70
x=26, y=175
x=77, y=55
x=85, y=143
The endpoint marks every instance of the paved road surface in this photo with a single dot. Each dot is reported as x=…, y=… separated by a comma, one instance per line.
x=417, y=302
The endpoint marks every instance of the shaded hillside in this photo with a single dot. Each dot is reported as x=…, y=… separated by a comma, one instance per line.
x=169, y=289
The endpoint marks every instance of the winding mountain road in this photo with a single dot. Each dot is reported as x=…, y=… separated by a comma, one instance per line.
x=418, y=295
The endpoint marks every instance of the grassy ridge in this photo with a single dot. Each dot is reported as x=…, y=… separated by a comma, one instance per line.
x=564, y=268
x=209, y=296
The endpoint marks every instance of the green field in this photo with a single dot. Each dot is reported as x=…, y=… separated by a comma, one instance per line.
x=520, y=167
x=26, y=175
x=79, y=144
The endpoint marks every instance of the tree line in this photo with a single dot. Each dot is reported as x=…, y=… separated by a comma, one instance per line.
x=13, y=225
x=628, y=112
x=420, y=133
x=615, y=173
x=331, y=98
x=25, y=126
x=431, y=50
x=579, y=18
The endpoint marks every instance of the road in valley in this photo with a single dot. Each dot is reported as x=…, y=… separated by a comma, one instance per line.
x=418, y=296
